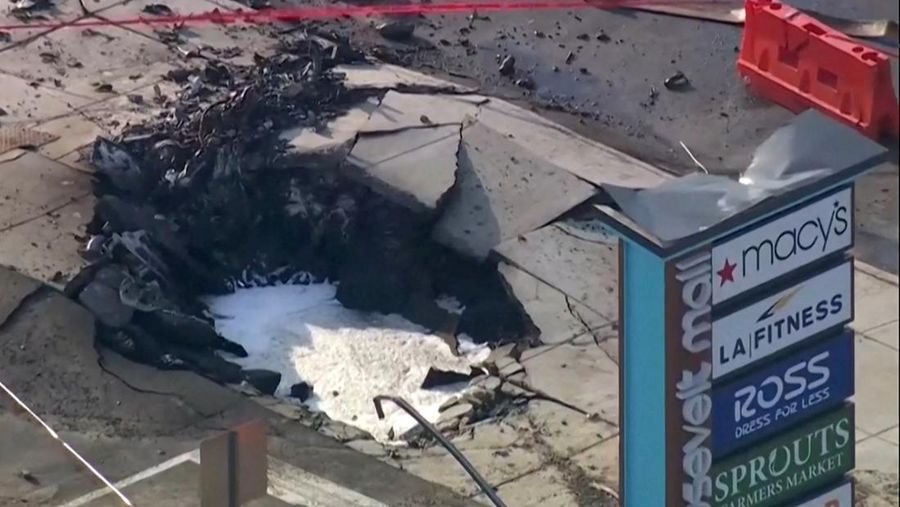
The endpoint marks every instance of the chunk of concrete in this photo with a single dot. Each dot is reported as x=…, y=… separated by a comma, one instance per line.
x=559, y=317
x=589, y=160
x=413, y=167
x=501, y=193
x=580, y=267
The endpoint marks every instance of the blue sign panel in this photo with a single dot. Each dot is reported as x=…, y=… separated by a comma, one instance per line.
x=788, y=391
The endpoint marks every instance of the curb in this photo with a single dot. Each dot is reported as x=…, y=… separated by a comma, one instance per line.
x=880, y=274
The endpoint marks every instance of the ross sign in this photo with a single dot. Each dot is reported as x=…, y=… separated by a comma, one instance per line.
x=782, y=245
x=840, y=496
x=809, y=382
x=789, y=465
x=781, y=320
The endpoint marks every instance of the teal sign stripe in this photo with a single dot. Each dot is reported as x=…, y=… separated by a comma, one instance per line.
x=644, y=381
x=789, y=465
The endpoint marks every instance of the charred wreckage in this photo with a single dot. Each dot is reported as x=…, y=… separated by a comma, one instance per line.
x=206, y=199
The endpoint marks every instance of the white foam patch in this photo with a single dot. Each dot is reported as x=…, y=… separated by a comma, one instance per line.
x=348, y=357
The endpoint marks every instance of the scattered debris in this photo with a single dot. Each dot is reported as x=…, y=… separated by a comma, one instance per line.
x=525, y=82
x=603, y=37
x=90, y=32
x=508, y=65
x=29, y=477
x=301, y=391
x=677, y=81
x=47, y=57
x=5, y=36
x=693, y=158
x=396, y=30
x=436, y=378
x=570, y=58
x=103, y=87
x=266, y=381
x=30, y=10
x=158, y=10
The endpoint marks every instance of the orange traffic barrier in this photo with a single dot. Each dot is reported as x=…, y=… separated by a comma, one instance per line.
x=800, y=63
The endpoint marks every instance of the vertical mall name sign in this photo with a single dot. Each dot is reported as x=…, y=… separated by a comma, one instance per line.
x=736, y=365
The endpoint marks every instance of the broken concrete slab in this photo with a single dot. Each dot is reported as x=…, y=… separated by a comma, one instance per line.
x=46, y=247
x=589, y=160
x=204, y=37
x=581, y=375
x=559, y=317
x=74, y=132
x=336, y=139
x=15, y=288
x=34, y=185
x=399, y=111
x=413, y=167
x=86, y=62
x=391, y=77
x=29, y=101
x=584, y=269
x=502, y=193
x=563, y=432
x=59, y=10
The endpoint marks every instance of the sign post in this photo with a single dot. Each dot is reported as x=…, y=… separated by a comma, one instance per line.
x=736, y=365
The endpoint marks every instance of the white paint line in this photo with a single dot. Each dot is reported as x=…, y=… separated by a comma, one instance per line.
x=286, y=483
x=193, y=456
x=67, y=447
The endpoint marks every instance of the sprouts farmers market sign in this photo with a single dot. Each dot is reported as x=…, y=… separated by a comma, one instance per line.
x=792, y=464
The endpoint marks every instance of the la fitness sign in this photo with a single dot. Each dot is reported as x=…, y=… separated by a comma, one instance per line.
x=747, y=360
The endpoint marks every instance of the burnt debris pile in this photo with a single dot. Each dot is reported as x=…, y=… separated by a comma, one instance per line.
x=207, y=199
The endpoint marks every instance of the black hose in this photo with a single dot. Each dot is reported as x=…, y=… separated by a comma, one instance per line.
x=466, y=464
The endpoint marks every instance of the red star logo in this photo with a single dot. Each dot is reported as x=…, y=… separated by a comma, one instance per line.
x=726, y=274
